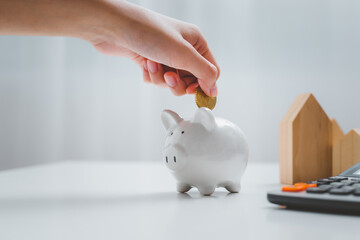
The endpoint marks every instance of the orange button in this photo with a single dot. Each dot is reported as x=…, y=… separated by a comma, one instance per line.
x=297, y=187
x=293, y=188
x=300, y=184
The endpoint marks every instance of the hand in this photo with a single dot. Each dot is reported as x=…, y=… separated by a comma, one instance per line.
x=170, y=53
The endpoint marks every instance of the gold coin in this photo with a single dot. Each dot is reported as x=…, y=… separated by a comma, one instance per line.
x=203, y=100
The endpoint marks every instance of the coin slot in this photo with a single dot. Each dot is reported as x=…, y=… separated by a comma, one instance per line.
x=174, y=159
x=167, y=159
x=171, y=133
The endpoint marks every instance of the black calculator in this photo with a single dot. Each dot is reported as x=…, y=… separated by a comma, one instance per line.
x=335, y=194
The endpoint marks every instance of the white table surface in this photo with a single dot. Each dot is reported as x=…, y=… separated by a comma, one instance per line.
x=117, y=200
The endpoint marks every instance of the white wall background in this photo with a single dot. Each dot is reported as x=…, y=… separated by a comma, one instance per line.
x=60, y=99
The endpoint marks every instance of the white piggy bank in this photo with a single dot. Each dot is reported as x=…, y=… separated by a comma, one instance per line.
x=205, y=152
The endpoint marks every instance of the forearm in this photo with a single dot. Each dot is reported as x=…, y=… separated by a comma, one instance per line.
x=74, y=18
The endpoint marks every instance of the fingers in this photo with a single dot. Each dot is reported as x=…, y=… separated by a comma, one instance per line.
x=206, y=72
x=145, y=72
x=190, y=60
x=191, y=88
x=203, y=64
x=179, y=83
x=193, y=35
x=176, y=85
x=207, y=54
x=156, y=73
x=210, y=57
x=190, y=81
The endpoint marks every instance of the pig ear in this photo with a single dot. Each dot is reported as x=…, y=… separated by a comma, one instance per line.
x=205, y=117
x=170, y=118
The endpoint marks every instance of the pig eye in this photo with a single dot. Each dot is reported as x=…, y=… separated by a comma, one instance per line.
x=182, y=132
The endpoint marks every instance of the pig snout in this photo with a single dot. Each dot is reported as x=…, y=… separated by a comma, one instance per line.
x=174, y=157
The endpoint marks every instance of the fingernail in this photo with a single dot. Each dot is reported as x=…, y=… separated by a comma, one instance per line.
x=213, y=91
x=152, y=66
x=145, y=66
x=214, y=69
x=170, y=81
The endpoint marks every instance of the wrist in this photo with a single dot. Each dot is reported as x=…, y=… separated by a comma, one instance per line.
x=126, y=24
x=106, y=21
x=91, y=20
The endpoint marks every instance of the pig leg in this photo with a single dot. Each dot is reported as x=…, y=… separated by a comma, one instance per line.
x=233, y=187
x=183, y=187
x=206, y=190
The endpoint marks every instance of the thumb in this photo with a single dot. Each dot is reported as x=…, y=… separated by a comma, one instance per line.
x=206, y=72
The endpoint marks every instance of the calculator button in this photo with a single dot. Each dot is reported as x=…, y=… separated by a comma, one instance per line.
x=325, y=187
x=293, y=188
x=297, y=187
x=342, y=191
x=357, y=192
x=337, y=178
x=307, y=185
x=300, y=184
x=336, y=184
x=355, y=180
x=316, y=190
x=347, y=182
x=324, y=181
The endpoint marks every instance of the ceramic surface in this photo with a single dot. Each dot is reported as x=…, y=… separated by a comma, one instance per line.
x=205, y=152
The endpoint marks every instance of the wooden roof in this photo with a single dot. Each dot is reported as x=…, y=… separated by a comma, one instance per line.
x=301, y=101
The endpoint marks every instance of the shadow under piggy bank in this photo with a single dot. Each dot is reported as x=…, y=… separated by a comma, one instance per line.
x=197, y=195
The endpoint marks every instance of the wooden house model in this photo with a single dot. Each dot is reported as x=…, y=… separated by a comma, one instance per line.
x=313, y=146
